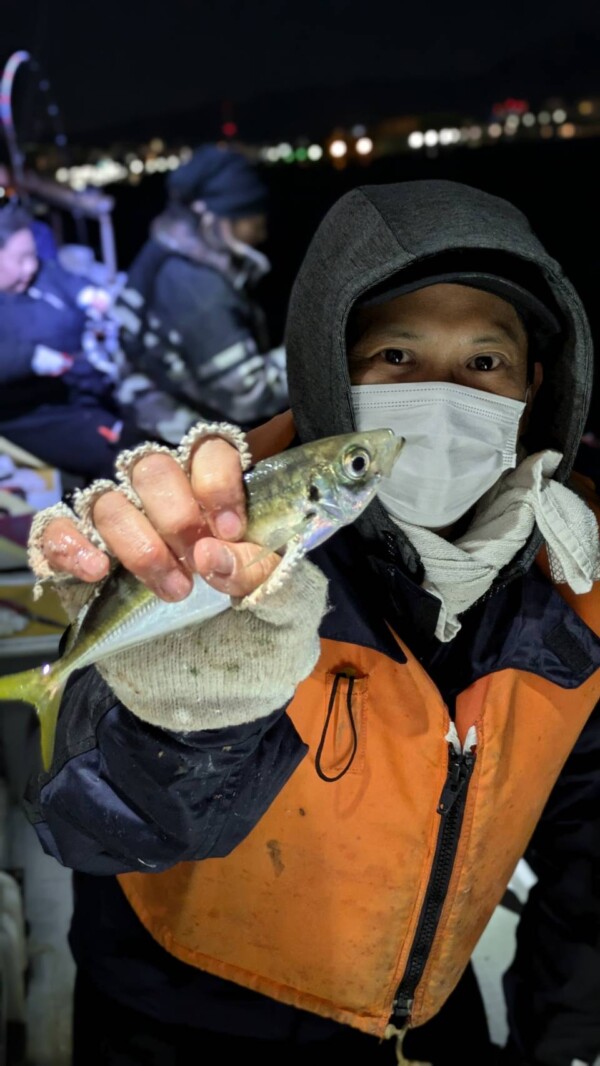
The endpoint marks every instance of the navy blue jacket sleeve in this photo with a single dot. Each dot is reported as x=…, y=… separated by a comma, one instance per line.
x=122, y=795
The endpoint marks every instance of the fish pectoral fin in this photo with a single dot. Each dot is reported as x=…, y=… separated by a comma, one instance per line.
x=258, y=558
x=278, y=541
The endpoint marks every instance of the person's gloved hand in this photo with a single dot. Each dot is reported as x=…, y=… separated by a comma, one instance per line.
x=174, y=512
x=85, y=382
x=48, y=362
x=94, y=298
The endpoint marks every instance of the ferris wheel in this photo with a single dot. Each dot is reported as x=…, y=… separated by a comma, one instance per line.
x=30, y=118
x=27, y=111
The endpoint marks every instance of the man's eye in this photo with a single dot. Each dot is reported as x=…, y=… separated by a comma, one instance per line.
x=393, y=356
x=485, y=362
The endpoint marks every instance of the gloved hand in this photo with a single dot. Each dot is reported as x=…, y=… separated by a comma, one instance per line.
x=85, y=382
x=48, y=362
x=166, y=507
x=95, y=299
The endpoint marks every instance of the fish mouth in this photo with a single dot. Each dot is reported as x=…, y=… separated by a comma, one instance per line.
x=388, y=451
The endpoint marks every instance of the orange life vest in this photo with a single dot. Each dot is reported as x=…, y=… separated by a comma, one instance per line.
x=319, y=906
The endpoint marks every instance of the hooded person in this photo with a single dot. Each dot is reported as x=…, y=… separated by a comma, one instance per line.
x=191, y=323
x=293, y=846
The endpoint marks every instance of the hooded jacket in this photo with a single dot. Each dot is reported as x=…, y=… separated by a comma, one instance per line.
x=372, y=234
x=361, y=841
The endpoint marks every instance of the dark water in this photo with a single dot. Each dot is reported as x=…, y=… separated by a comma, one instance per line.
x=554, y=183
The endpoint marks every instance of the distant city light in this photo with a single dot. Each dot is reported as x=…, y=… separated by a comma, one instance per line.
x=510, y=118
x=338, y=149
x=449, y=135
x=364, y=145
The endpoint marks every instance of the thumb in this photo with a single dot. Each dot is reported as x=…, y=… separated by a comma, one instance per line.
x=234, y=568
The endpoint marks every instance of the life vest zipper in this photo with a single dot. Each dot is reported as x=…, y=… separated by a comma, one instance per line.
x=451, y=808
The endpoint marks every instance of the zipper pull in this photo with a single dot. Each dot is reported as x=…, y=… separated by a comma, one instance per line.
x=458, y=773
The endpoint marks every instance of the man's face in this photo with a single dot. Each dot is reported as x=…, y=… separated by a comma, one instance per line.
x=18, y=262
x=444, y=333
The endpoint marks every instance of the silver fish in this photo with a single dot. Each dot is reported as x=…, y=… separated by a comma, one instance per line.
x=295, y=501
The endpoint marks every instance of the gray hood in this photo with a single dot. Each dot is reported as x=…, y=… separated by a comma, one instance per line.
x=376, y=231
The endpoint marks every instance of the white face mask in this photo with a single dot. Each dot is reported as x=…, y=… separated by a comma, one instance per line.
x=458, y=443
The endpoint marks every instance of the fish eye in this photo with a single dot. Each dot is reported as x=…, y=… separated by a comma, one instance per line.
x=356, y=462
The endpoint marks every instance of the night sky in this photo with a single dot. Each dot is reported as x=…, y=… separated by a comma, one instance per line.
x=112, y=62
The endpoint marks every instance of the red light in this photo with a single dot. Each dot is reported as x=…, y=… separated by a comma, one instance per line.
x=510, y=106
x=229, y=129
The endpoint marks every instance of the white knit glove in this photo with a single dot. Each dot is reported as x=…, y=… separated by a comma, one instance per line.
x=234, y=668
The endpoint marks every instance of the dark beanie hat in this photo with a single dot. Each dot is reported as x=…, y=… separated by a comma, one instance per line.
x=499, y=273
x=223, y=178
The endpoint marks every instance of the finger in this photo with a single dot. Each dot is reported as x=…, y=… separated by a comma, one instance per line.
x=169, y=503
x=216, y=480
x=132, y=539
x=236, y=569
x=67, y=551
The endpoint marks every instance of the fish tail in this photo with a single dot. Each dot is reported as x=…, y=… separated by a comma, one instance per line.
x=43, y=691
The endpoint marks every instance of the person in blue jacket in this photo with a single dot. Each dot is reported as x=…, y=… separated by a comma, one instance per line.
x=54, y=402
x=327, y=788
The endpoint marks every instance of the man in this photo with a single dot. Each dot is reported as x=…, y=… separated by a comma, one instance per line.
x=55, y=402
x=191, y=321
x=305, y=870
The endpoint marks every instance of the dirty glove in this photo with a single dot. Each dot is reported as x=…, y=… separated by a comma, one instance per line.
x=236, y=667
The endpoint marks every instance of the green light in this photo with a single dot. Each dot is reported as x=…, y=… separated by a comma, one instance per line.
x=301, y=155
